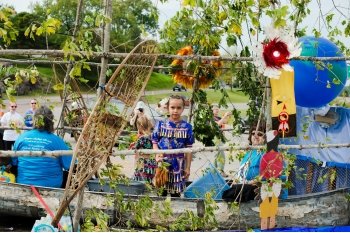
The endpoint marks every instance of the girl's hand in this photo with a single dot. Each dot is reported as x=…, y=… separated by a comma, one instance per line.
x=187, y=173
x=227, y=114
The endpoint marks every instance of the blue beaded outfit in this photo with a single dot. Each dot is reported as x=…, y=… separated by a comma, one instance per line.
x=174, y=135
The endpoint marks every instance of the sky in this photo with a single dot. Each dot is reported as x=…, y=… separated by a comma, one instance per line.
x=169, y=9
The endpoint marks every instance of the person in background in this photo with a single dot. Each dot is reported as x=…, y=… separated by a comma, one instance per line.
x=162, y=107
x=173, y=133
x=14, y=120
x=145, y=164
x=6, y=173
x=138, y=112
x=28, y=116
x=220, y=160
x=244, y=189
x=2, y=145
x=250, y=164
x=41, y=171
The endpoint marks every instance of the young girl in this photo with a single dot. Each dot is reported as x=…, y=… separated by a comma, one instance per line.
x=145, y=164
x=174, y=133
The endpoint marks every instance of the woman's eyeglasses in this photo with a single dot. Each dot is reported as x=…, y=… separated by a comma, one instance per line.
x=33, y=103
x=259, y=133
x=13, y=106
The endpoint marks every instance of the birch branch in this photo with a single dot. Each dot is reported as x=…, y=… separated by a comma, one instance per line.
x=60, y=53
x=30, y=61
x=227, y=148
x=57, y=153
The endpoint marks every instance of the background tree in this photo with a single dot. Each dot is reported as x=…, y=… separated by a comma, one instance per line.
x=22, y=21
x=129, y=20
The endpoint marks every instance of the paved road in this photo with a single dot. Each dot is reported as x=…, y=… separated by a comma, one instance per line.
x=23, y=102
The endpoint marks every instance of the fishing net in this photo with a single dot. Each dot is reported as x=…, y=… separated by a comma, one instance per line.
x=311, y=176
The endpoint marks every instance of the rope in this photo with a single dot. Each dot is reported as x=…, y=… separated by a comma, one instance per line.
x=103, y=88
x=47, y=208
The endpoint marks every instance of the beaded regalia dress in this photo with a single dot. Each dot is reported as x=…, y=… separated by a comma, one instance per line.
x=174, y=135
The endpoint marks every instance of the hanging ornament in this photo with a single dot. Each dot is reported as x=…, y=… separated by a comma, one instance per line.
x=184, y=72
x=283, y=108
x=274, y=53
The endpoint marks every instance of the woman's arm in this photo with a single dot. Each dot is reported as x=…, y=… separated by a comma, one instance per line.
x=188, y=157
x=224, y=119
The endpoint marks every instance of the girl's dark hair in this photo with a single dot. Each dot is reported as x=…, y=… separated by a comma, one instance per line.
x=177, y=97
x=43, y=119
x=262, y=128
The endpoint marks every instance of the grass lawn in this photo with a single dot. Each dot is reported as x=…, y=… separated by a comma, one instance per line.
x=156, y=82
x=46, y=72
x=213, y=96
x=159, y=81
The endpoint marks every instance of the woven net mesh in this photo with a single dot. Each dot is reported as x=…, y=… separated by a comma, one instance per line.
x=109, y=116
x=311, y=176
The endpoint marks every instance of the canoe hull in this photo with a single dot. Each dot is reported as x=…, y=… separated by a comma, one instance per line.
x=312, y=210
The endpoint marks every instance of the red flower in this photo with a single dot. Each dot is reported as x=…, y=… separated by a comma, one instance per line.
x=275, y=53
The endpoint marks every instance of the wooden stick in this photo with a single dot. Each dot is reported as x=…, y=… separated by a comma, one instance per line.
x=60, y=53
x=56, y=153
x=78, y=211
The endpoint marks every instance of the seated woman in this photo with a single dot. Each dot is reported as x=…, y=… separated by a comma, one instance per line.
x=41, y=171
x=249, y=167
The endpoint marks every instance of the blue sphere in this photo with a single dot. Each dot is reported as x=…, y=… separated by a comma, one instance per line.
x=314, y=85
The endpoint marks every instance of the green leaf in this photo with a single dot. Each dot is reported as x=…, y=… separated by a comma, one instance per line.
x=347, y=29
x=26, y=33
x=32, y=79
x=329, y=18
x=191, y=3
x=58, y=87
x=39, y=31
x=336, y=81
x=83, y=80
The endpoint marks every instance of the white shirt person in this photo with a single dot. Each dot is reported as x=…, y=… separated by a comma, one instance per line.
x=14, y=120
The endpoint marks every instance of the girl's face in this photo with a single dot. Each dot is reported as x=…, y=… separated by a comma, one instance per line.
x=216, y=111
x=175, y=108
x=257, y=138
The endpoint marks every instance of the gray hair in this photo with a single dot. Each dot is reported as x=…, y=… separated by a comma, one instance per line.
x=43, y=119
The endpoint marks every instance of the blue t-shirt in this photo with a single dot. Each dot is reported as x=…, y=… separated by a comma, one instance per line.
x=250, y=165
x=41, y=171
